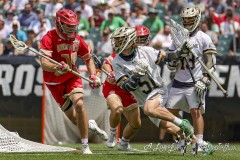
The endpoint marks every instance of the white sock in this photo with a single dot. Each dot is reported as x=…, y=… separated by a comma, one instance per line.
x=84, y=141
x=124, y=141
x=200, y=138
x=177, y=121
x=113, y=130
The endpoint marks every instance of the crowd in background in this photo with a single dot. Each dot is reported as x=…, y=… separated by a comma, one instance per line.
x=29, y=20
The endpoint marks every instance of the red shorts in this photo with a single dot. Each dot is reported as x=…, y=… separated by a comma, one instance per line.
x=59, y=90
x=126, y=97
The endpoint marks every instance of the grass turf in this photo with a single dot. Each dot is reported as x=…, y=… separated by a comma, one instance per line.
x=101, y=152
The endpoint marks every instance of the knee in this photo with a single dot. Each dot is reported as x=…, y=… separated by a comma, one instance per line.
x=79, y=107
x=135, y=124
x=117, y=110
x=148, y=111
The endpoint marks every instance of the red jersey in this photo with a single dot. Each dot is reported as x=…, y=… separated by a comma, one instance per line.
x=59, y=50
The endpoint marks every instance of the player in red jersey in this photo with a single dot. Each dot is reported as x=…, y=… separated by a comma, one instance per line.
x=64, y=46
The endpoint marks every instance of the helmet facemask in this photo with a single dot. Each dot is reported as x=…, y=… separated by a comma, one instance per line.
x=191, y=17
x=123, y=38
x=142, y=40
x=69, y=30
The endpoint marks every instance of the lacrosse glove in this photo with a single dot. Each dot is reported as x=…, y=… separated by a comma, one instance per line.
x=201, y=86
x=141, y=67
x=185, y=49
x=96, y=81
x=61, y=69
x=111, y=77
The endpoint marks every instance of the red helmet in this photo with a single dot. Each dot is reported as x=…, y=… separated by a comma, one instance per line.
x=66, y=22
x=143, y=35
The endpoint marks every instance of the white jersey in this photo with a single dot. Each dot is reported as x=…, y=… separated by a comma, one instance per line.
x=202, y=44
x=150, y=83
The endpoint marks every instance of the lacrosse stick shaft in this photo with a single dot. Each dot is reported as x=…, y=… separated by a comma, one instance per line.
x=104, y=71
x=210, y=74
x=55, y=62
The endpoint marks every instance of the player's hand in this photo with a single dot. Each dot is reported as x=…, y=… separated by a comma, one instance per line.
x=201, y=86
x=185, y=49
x=141, y=67
x=111, y=77
x=96, y=81
x=61, y=69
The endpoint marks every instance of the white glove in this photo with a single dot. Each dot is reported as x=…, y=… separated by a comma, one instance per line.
x=185, y=49
x=141, y=67
x=201, y=86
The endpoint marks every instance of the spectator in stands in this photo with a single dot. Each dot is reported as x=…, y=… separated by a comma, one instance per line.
x=96, y=19
x=52, y=7
x=230, y=26
x=200, y=4
x=212, y=26
x=5, y=5
x=4, y=30
x=27, y=16
x=123, y=13
x=17, y=32
x=41, y=25
x=175, y=7
x=8, y=49
x=119, y=4
x=87, y=10
x=235, y=45
x=113, y=22
x=10, y=16
x=83, y=22
x=162, y=41
x=84, y=35
x=213, y=35
x=219, y=6
x=153, y=22
x=139, y=3
x=32, y=42
x=229, y=11
x=137, y=18
x=104, y=46
x=72, y=5
x=19, y=5
x=214, y=16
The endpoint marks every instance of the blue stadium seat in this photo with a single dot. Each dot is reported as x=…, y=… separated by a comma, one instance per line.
x=224, y=44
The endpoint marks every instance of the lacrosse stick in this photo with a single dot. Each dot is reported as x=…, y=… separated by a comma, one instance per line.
x=20, y=46
x=98, y=64
x=179, y=35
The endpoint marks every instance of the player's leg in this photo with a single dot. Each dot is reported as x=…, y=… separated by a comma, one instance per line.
x=152, y=109
x=133, y=125
x=115, y=105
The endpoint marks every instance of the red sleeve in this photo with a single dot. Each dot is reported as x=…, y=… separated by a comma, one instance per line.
x=46, y=43
x=83, y=48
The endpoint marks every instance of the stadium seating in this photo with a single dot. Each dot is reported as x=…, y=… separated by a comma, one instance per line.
x=94, y=34
x=224, y=44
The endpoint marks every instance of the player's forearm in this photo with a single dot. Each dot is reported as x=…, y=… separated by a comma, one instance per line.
x=48, y=66
x=107, y=67
x=91, y=67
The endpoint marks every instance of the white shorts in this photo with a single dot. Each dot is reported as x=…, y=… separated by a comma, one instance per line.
x=185, y=99
x=162, y=99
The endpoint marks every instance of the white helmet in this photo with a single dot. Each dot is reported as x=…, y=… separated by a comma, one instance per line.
x=123, y=38
x=191, y=16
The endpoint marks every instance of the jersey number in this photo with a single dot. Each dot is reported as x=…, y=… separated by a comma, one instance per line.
x=189, y=60
x=70, y=58
x=150, y=85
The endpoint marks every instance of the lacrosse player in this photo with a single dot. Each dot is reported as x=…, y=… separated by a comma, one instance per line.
x=64, y=46
x=191, y=80
x=136, y=70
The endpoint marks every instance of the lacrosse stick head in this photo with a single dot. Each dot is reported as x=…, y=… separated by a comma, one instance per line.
x=179, y=34
x=97, y=61
x=18, y=45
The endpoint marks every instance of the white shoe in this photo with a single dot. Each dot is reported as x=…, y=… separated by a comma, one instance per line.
x=86, y=150
x=93, y=127
x=125, y=147
x=112, y=140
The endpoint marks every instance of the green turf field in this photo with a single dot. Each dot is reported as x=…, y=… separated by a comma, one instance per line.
x=101, y=152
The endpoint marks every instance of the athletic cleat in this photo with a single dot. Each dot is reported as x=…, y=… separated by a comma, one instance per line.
x=187, y=128
x=112, y=140
x=195, y=148
x=86, y=150
x=93, y=128
x=125, y=147
x=183, y=146
x=207, y=148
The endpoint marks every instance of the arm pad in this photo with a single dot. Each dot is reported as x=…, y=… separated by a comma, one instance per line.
x=131, y=83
